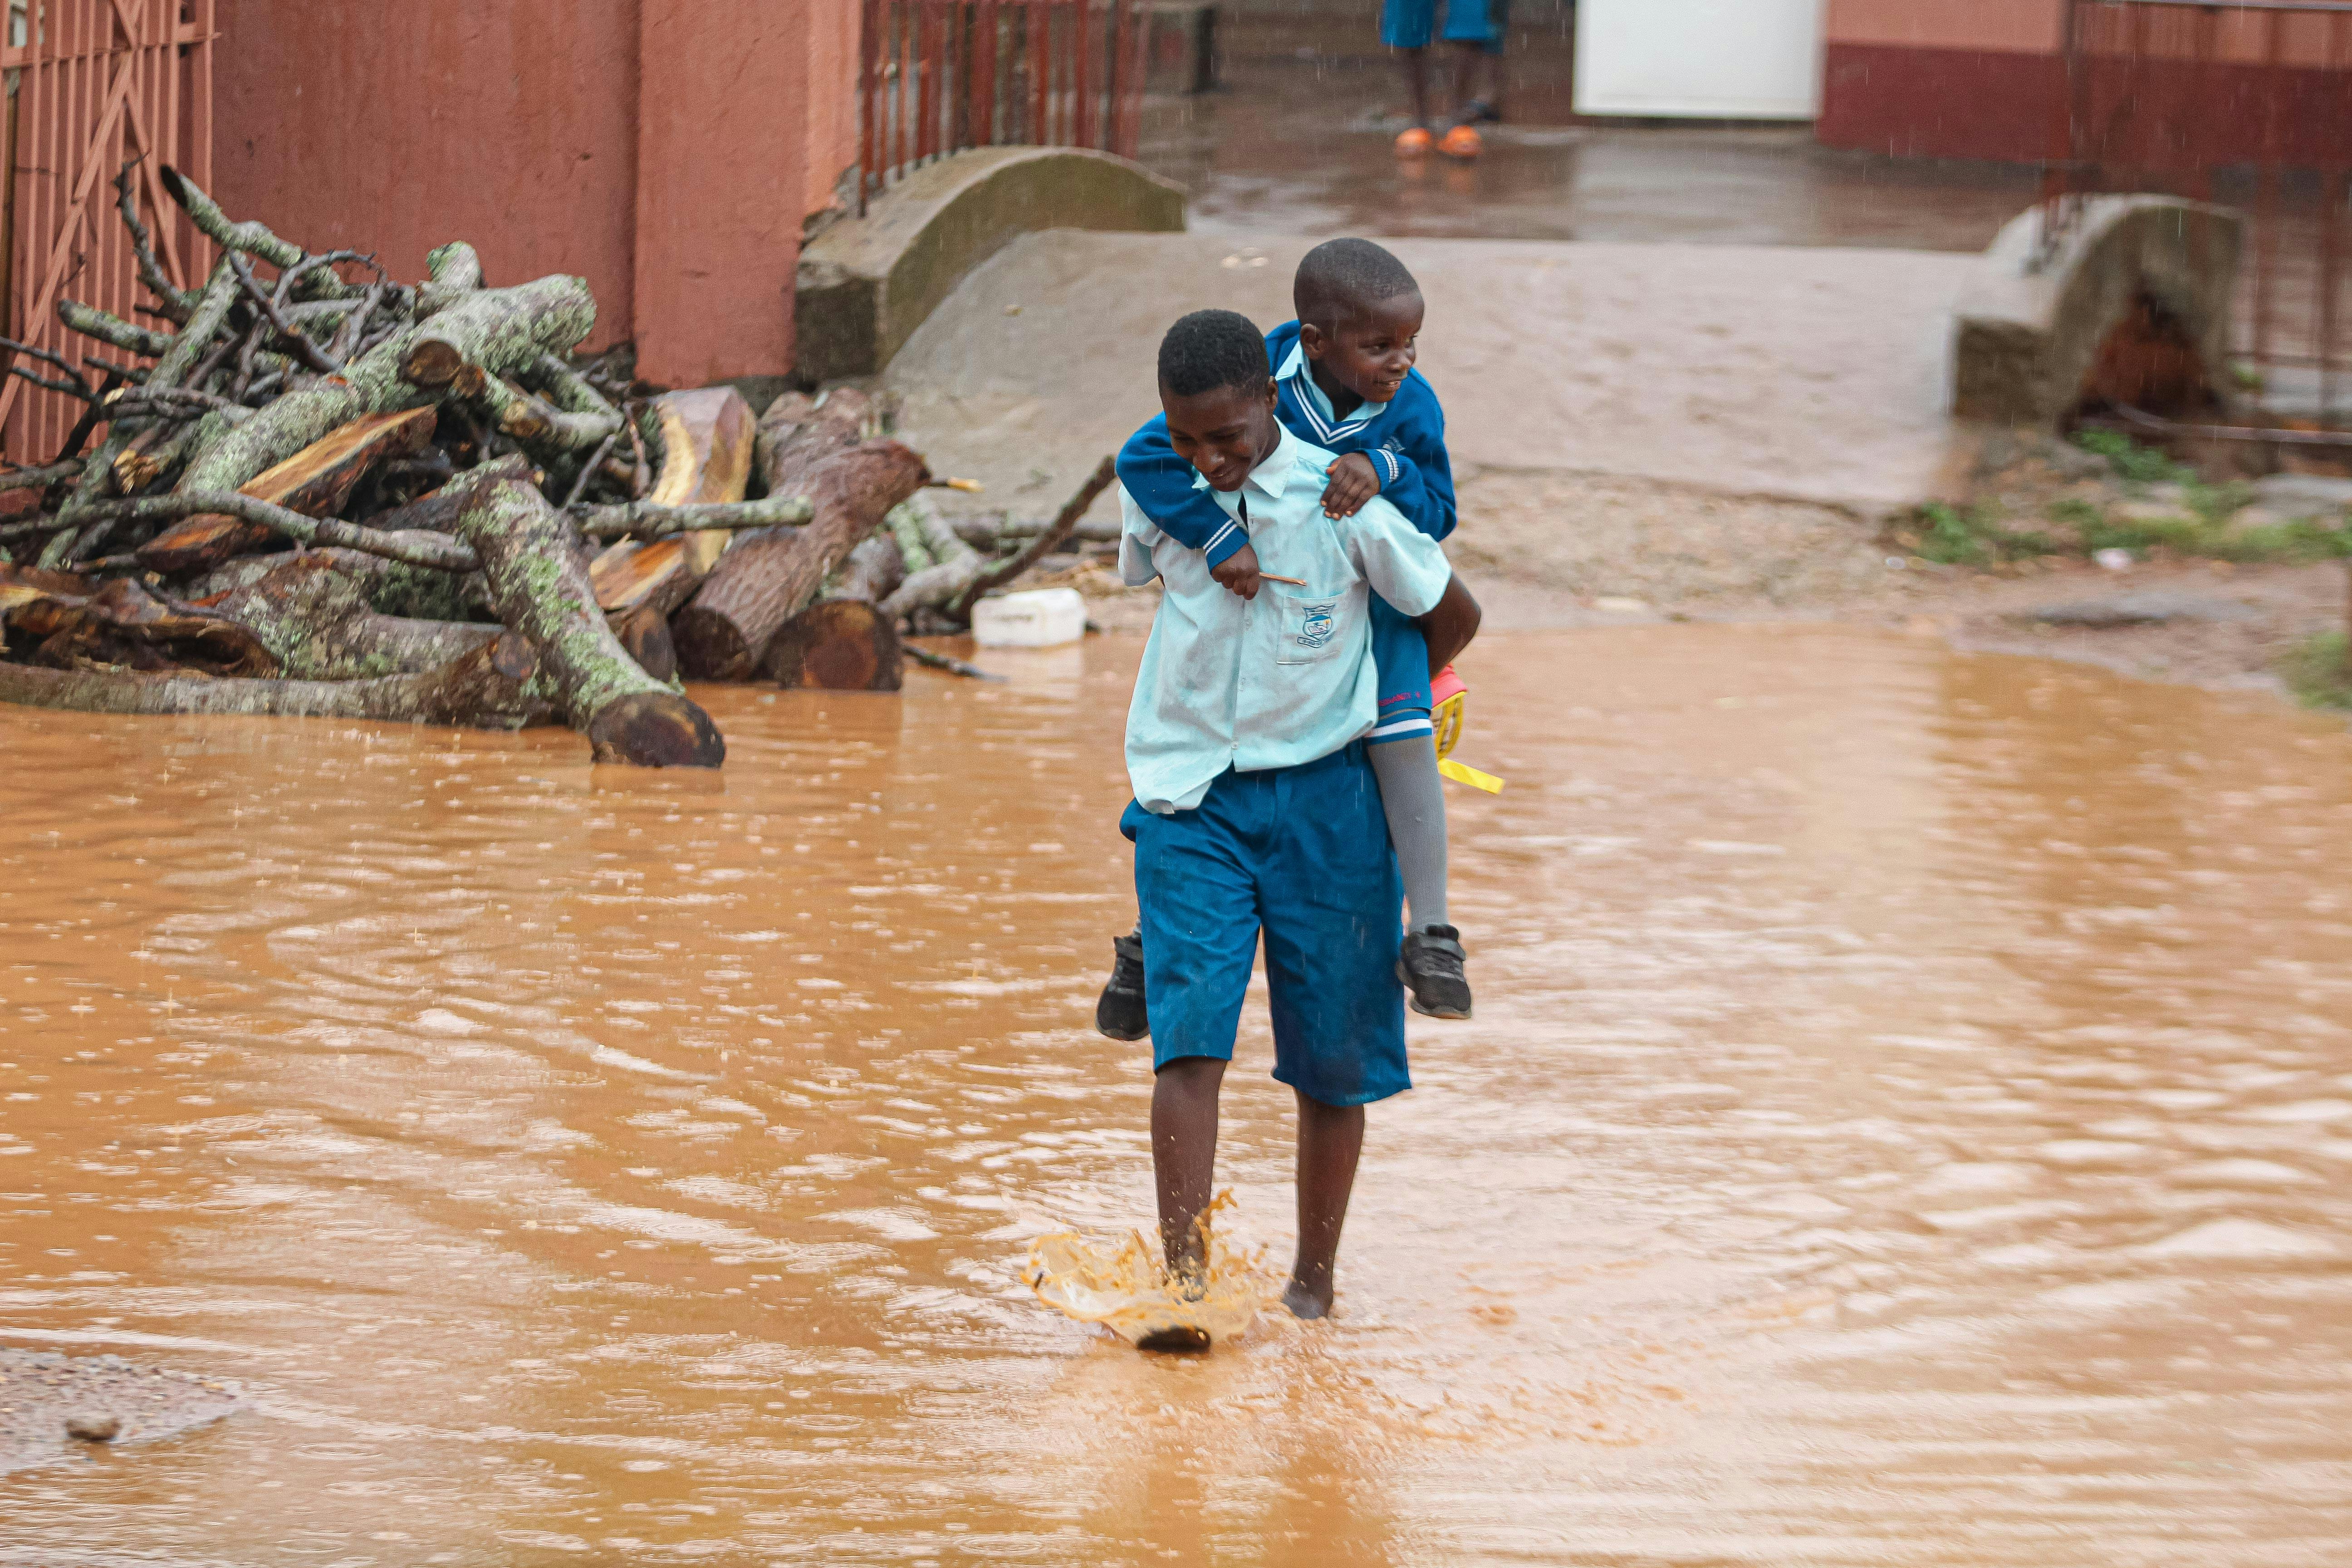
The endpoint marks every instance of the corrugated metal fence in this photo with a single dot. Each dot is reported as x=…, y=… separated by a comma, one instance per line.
x=97, y=88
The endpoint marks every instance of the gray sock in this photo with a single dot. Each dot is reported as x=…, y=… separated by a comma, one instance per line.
x=1412, y=794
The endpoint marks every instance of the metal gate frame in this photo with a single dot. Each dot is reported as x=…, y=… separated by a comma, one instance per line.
x=94, y=87
x=935, y=76
x=2177, y=96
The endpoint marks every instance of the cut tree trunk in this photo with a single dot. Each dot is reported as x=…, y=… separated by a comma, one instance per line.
x=119, y=622
x=315, y=481
x=315, y=617
x=950, y=565
x=707, y=438
x=646, y=519
x=501, y=330
x=798, y=432
x=844, y=642
x=724, y=633
x=531, y=557
x=475, y=691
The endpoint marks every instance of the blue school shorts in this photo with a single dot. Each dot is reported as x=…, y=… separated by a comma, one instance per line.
x=1402, y=655
x=1408, y=23
x=1301, y=855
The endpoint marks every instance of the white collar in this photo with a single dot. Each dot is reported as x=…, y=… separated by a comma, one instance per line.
x=1317, y=402
x=1273, y=476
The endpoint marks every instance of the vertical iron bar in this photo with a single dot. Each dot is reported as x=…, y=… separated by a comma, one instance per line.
x=927, y=54
x=901, y=104
x=2266, y=195
x=983, y=74
x=2332, y=202
x=1142, y=77
x=1040, y=70
x=1114, y=26
x=1082, y=132
x=869, y=45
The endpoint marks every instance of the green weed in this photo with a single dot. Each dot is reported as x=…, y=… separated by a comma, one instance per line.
x=1971, y=536
x=2142, y=465
x=2319, y=672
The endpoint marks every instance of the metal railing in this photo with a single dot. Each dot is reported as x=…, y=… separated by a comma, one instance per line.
x=95, y=87
x=2246, y=102
x=939, y=76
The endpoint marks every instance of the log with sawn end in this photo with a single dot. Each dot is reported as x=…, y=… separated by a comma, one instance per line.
x=844, y=642
x=724, y=633
x=531, y=558
x=707, y=436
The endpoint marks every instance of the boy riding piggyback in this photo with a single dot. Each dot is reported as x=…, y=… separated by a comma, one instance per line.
x=1345, y=383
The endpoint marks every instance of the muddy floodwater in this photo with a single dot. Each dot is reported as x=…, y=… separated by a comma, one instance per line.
x=1909, y=1120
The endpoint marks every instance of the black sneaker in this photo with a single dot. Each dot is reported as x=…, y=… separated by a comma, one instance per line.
x=1119, y=1014
x=1431, y=967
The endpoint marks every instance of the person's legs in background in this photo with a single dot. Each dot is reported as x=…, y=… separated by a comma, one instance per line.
x=1470, y=27
x=1407, y=26
x=1487, y=107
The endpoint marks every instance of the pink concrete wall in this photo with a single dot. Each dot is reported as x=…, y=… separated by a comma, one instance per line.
x=665, y=150
x=393, y=128
x=722, y=173
x=832, y=97
x=2031, y=26
x=2039, y=27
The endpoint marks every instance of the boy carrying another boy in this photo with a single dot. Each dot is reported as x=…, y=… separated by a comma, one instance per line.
x=1344, y=382
x=1255, y=809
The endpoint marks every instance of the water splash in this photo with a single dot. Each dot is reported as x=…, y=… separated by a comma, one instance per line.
x=1121, y=1282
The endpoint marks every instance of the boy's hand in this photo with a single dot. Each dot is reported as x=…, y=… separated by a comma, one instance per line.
x=1238, y=572
x=1352, y=483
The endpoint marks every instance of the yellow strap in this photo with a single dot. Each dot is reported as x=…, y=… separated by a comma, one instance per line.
x=1469, y=775
x=1447, y=722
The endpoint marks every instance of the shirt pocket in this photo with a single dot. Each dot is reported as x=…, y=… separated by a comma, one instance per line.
x=1311, y=627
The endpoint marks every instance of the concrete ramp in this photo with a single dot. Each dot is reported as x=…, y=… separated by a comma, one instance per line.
x=1814, y=376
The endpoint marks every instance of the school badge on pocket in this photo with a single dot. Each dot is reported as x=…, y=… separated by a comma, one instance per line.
x=1317, y=622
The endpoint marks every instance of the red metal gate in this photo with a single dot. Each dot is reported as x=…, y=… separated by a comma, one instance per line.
x=94, y=87
x=2247, y=102
x=936, y=76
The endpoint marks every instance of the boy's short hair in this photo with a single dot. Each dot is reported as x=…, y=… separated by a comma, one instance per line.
x=1340, y=276
x=1211, y=348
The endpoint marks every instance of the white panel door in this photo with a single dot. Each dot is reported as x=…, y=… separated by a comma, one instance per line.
x=1729, y=59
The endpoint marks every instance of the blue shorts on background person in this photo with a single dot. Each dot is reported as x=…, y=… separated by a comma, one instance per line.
x=1410, y=24
x=1478, y=28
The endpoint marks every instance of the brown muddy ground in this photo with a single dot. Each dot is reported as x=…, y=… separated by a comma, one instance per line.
x=1906, y=1122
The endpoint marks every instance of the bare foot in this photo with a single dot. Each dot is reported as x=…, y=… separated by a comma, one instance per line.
x=1180, y=1340
x=1305, y=1303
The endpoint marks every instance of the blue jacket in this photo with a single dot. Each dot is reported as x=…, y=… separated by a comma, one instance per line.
x=1406, y=442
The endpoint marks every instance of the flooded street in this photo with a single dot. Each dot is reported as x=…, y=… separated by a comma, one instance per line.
x=1909, y=1120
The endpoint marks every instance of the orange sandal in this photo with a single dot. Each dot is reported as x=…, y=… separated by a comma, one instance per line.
x=1461, y=142
x=1415, y=142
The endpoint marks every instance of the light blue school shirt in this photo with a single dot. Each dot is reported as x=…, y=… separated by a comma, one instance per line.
x=1281, y=680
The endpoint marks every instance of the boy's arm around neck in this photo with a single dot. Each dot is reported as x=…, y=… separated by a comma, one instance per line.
x=1161, y=485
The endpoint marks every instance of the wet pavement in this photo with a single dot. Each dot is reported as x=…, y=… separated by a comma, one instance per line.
x=1815, y=372
x=1906, y=1122
x=1297, y=141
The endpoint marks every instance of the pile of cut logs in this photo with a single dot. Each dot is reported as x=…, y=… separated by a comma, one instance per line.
x=319, y=491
